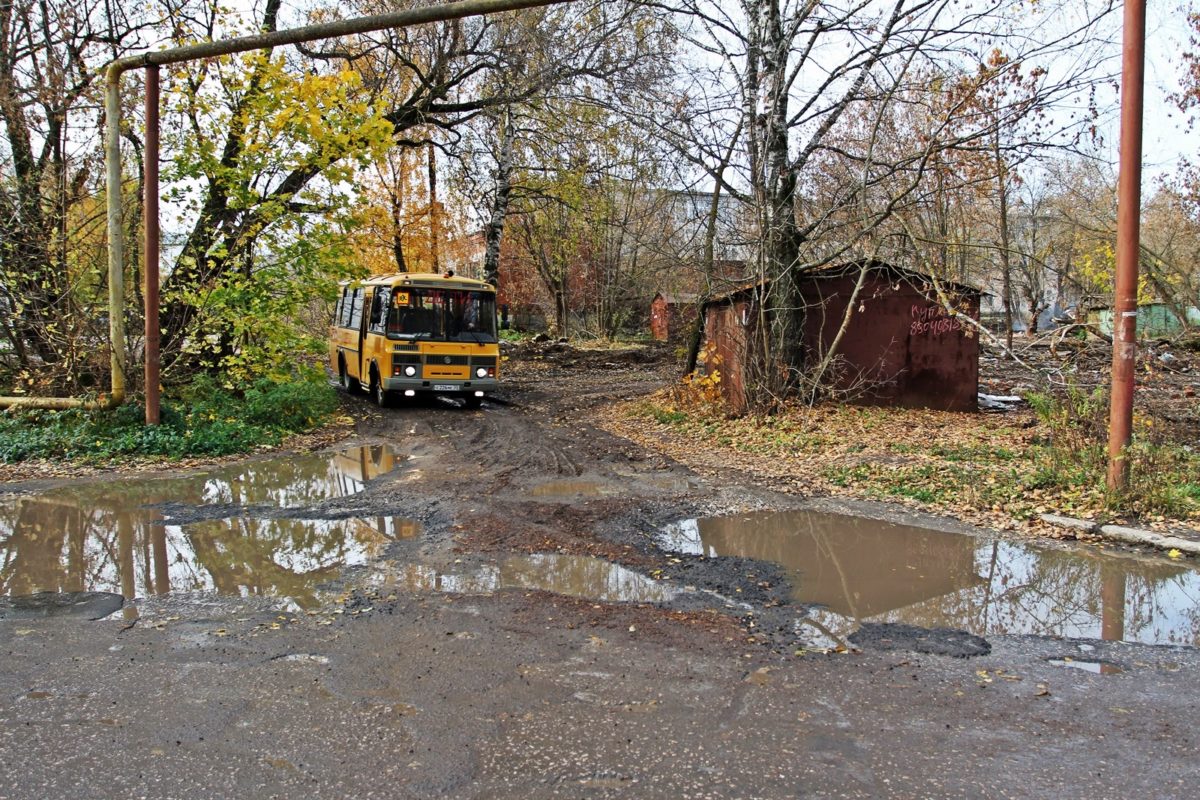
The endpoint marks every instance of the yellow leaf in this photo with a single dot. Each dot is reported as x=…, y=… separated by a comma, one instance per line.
x=1173, y=553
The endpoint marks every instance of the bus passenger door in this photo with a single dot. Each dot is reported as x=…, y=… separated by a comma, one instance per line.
x=363, y=317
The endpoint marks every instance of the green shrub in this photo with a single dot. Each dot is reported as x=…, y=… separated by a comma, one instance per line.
x=291, y=406
x=205, y=419
x=513, y=335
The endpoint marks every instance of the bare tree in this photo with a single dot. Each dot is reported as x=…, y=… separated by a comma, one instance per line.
x=424, y=83
x=822, y=84
x=51, y=223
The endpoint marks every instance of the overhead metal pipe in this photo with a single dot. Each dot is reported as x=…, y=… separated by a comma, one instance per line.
x=1129, y=199
x=112, y=148
x=324, y=30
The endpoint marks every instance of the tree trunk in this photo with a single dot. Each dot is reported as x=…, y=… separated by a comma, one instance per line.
x=766, y=107
x=1005, y=262
x=435, y=231
x=494, y=231
x=396, y=196
x=562, y=312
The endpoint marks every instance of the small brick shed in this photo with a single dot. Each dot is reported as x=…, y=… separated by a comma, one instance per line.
x=901, y=347
x=670, y=315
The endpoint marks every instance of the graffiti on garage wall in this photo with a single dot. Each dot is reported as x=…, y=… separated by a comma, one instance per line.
x=932, y=320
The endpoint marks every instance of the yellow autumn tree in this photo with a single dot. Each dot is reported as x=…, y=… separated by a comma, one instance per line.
x=400, y=224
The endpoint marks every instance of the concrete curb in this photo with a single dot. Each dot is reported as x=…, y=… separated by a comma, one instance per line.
x=1121, y=533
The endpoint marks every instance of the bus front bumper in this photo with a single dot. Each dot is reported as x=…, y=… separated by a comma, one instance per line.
x=402, y=385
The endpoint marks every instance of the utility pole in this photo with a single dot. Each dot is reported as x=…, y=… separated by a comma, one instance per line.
x=1129, y=200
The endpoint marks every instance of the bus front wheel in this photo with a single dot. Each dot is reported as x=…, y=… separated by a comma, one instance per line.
x=380, y=395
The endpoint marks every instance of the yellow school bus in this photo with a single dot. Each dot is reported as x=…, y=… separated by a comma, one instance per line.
x=416, y=333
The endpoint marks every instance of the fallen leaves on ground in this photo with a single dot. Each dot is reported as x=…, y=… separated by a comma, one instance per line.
x=982, y=468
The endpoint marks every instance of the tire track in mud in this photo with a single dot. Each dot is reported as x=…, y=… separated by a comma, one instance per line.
x=534, y=473
x=518, y=443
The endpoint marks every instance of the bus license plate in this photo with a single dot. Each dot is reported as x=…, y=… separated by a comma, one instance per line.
x=444, y=387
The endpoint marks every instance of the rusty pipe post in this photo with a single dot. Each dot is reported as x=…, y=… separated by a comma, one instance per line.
x=151, y=232
x=116, y=237
x=1129, y=190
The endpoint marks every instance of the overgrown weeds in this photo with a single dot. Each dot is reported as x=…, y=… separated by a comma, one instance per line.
x=1164, y=476
x=993, y=466
x=207, y=419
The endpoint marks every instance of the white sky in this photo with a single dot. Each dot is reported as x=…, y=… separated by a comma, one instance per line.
x=1165, y=139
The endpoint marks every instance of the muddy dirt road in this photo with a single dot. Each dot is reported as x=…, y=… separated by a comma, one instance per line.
x=534, y=639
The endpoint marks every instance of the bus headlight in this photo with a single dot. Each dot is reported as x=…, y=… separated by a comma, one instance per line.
x=410, y=370
x=481, y=372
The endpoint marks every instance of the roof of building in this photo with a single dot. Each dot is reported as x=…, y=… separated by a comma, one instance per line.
x=834, y=271
x=680, y=298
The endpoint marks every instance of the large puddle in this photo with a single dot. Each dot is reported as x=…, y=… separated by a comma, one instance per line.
x=102, y=537
x=866, y=570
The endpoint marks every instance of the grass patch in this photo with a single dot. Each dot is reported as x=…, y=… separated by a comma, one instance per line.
x=971, y=453
x=1014, y=465
x=668, y=417
x=205, y=420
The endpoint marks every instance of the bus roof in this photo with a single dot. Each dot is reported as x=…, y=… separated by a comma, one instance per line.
x=428, y=280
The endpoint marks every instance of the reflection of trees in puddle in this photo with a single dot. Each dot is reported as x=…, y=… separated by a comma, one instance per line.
x=862, y=569
x=102, y=537
x=581, y=576
x=280, y=557
x=1053, y=592
x=299, y=481
x=856, y=567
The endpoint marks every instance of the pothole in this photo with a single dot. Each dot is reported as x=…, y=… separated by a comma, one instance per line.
x=860, y=570
x=571, y=575
x=1096, y=667
x=85, y=605
x=576, y=488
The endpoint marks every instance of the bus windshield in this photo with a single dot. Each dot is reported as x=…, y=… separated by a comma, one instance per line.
x=442, y=315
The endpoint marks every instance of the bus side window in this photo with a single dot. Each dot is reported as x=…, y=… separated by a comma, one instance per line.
x=379, y=309
x=337, y=311
x=356, y=310
x=347, y=307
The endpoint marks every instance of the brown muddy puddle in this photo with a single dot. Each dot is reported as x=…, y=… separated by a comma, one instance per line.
x=1094, y=667
x=100, y=536
x=861, y=570
x=575, y=576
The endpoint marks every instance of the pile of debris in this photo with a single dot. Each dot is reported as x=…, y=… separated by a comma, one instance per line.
x=1167, y=374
